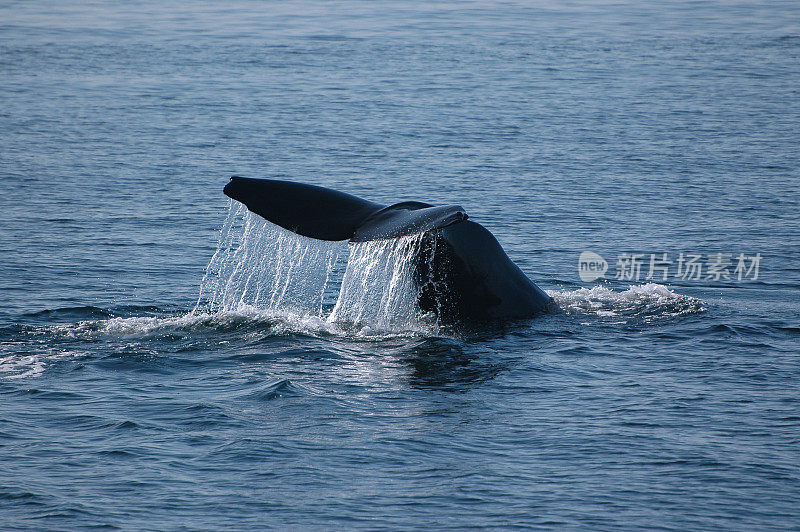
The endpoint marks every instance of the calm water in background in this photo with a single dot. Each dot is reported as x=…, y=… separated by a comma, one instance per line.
x=612, y=127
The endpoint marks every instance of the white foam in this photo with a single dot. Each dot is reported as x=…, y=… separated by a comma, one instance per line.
x=647, y=301
x=16, y=366
x=252, y=320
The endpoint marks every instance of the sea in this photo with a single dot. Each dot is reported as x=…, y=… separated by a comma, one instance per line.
x=170, y=361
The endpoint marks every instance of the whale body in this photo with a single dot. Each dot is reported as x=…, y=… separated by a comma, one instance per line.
x=461, y=272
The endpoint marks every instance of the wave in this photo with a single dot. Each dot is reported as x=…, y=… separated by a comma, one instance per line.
x=245, y=319
x=30, y=349
x=83, y=312
x=648, y=301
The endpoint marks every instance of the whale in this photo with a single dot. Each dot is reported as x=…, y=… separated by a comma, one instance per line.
x=461, y=272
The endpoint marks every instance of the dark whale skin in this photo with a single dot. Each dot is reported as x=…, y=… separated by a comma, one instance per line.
x=464, y=275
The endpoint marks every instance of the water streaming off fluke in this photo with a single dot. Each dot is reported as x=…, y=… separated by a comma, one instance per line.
x=260, y=266
x=378, y=286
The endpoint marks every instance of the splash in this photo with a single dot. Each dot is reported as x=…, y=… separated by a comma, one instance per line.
x=378, y=288
x=260, y=266
x=647, y=302
x=264, y=281
x=264, y=270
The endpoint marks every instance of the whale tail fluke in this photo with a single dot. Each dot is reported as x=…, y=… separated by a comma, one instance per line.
x=326, y=214
x=307, y=210
x=462, y=272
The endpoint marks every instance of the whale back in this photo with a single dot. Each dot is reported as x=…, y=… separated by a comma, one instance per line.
x=463, y=274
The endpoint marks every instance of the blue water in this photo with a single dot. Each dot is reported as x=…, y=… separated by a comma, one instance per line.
x=562, y=127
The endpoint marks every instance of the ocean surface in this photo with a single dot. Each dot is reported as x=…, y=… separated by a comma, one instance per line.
x=170, y=362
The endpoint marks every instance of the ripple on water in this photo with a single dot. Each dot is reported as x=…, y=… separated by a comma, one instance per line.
x=277, y=390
